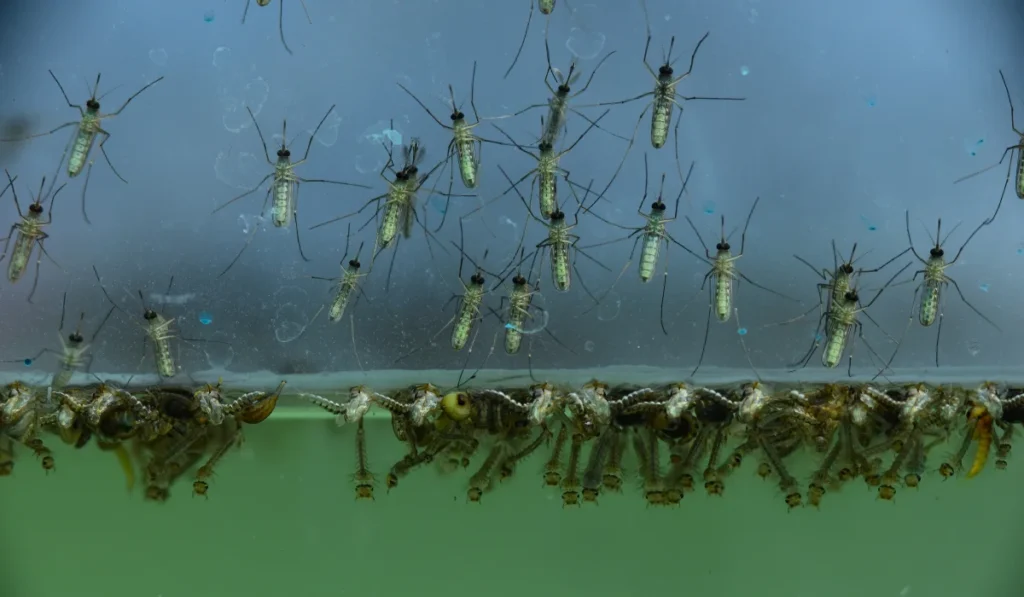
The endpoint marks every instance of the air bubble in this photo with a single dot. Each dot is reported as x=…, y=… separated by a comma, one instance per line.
x=328, y=133
x=585, y=41
x=249, y=222
x=372, y=157
x=538, y=319
x=252, y=95
x=221, y=57
x=973, y=347
x=219, y=354
x=588, y=346
x=290, y=321
x=610, y=306
x=158, y=56
x=240, y=170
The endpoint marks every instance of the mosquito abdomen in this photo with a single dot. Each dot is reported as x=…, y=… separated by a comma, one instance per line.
x=649, y=255
x=548, y=192
x=560, y=275
x=467, y=159
x=20, y=256
x=1020, y=172
x=389, y=219
x=464, y=319
x=284, y=200
x=835, y=346
x=63, y=376
x=661, y=116
x=929, y=302
x=82, y=145
x=723, y=296
x=345, y=289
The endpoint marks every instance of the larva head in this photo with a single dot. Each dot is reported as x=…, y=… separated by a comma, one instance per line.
x=794, y=499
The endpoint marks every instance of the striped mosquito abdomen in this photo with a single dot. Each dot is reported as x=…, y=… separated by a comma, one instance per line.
x=518, y=310
x=547, y=179
x=469, y=308
x=558, y=239
x=723, y=284
x=345, y=288
x=546, y=6
x=654, y=233
x=1020, y=171
x=837, y=333
x=392, y=212
x=85, y=136
x=661, y=112
x=465, y=148
x=285, y=187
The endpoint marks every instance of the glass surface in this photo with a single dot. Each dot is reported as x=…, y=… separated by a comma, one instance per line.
x=855, y=121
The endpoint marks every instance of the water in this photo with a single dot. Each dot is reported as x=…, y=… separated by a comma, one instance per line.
x=833, y=135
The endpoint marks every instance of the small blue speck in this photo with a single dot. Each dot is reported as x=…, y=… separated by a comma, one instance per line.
x=709, y=207
x=974, y=153
x=744, y=70
x=205, y=318
x=872, y=102
x=440, y=204
x=1020, y=251
x=818, y=337
x=869, y=225
x=742, y=331
x=983, y=287
x=872, y=227
x=27, y=362
x=208, y=16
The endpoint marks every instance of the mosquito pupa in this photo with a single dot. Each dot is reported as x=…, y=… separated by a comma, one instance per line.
x=283, y=191
x=28, y=233
x=723, y=275
x=88, y=128
x=280, y=17
x=934, y=279
x=1019, y=148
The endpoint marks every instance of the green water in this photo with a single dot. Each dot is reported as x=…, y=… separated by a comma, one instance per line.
x=281, y=518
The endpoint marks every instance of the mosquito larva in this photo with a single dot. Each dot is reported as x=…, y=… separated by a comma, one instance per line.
x=363, y=477
x=481, y=480
x=571, y=481
x=553, y=467
x=593, y=474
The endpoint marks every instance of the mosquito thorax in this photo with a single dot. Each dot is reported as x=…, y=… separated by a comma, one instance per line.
x=477, y=279
x=284, y=153
x=149, y=315
x=936, y=252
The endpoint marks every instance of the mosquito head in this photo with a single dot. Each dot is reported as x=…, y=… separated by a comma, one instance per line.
x=545, y=146
x=284, y=153
x=262, y=2
x=557, y=216
x=851, y=296
x=519, y=281
x=665, y=70
x=75, y=338
x=477, y=279
x=936, y=252
x=658, y=206
x=401, y=176
x=846, y=269
x=723, y=246
x=457, y=115
x=410, y=171
x=149, y=314
x=354, y=263
x=92, y=105
x=36, y=208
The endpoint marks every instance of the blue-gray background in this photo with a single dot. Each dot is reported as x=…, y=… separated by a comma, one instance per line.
x=855, y=112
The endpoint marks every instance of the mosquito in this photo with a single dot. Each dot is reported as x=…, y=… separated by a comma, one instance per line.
x=88, y=128
x=934, y=279
x=280, y=17
x=651, y=236
x=284, y=188
x=1019, y=148
x=723, y=275
x=347, y=284
x=29, y=233
x=72, y=355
